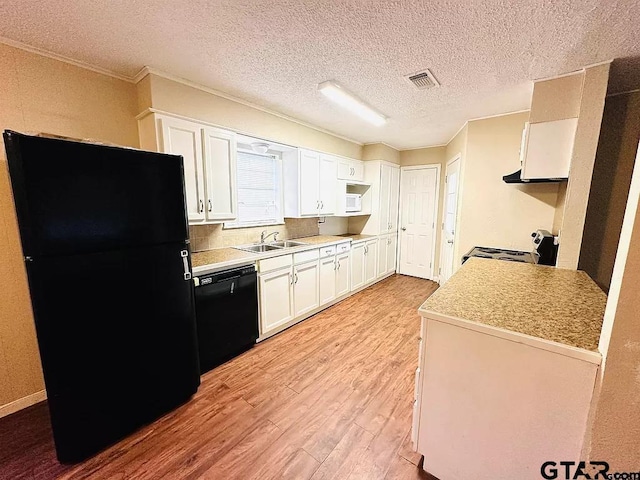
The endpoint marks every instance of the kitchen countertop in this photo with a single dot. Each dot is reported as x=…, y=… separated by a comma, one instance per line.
x=356, y=237
x=211, y=261
x=558, y=305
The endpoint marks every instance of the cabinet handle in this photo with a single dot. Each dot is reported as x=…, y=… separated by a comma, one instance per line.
x=290, y=279
x=321, y=205
x=317, y=204
x=366, y=250
x=338, y=262
x=210, y=205
x=296, y=275
x=201, y=209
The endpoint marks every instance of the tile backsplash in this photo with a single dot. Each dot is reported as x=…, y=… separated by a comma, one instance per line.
x=207, y=237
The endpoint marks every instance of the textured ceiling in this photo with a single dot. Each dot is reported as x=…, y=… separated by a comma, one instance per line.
x=274, y=53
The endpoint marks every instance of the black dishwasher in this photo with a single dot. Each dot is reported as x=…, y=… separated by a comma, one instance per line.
x=226, y=315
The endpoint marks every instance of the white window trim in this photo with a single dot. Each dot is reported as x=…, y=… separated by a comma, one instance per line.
x=280, y=221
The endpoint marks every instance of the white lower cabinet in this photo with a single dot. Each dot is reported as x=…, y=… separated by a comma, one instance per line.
x=328, y=268
x=276, y=299
x=306, y=282
x=363, y=263
x=387, y=248
x=370, y=260
x=343, y=267
x=357, y=265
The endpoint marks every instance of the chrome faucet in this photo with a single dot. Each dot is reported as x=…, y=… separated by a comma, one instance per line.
x=264, y=236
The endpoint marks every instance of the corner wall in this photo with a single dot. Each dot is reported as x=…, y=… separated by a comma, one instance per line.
x=615, y=158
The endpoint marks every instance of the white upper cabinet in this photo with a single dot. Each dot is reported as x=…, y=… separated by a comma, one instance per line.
x=209, y=164
x=220, y=173
x=181, y=137
x=349, y=169
x=547, y=148
x=310, y=184
x=328, y=185
x=384, y=195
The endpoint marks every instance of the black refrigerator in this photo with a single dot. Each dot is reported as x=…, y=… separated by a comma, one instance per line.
x=106, y=247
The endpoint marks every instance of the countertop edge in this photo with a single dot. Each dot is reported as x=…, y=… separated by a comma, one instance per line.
x=594, y=357
x=255, y=257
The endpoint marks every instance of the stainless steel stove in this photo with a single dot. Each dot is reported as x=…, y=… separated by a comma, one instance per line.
x=545, y=251
x=501, y=254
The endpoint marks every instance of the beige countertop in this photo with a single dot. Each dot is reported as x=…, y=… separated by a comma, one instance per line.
x=563, y=306
x=356, y=237
x=218, y=259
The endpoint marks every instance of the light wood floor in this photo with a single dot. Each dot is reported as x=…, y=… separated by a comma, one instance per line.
x=328, y=398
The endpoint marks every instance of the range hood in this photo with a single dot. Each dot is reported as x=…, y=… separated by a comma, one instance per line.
x=515, y=177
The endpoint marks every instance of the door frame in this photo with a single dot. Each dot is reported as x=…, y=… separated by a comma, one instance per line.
x=458, y=157
x=438, y=167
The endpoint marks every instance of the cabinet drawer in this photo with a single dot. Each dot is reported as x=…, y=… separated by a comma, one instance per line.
x=269, y=264
x=327, y=251
x=343, y=247
x=307, y=256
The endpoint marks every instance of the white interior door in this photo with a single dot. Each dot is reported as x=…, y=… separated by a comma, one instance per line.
x=419, y=191
x=447, y=249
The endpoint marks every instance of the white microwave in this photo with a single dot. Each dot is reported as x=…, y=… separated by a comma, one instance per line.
x=354, y=202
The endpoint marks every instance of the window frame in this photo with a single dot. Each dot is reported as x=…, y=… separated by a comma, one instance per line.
x=277, y=156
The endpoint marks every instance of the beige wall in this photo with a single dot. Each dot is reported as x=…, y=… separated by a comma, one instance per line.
x=594, y=90
x=39, y=94
x=430, y=156
x=556, y=99
x=615, y=158
x=380, y=151
x=494, y=213
x=178, y=98
x=614, y=430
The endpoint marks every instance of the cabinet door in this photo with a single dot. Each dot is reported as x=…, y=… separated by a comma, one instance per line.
x=357, y=265
x=370, y=261
x=381, y=268
x=181, y=137
x=344, y=169
x=220, y=174
x=343, y=276
x=328, y=271
x=276, y=299
x=306, y=292
x=394, y=196
x=357, y=170
x=328, y=185
x=309, y=186
x=385, y=183
x=392, y=243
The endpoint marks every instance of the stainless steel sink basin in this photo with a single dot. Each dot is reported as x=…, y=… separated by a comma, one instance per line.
x=287, y=243
x=259, y=248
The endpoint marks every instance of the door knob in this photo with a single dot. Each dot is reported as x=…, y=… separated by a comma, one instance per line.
x=449, y=241
x=404, y=229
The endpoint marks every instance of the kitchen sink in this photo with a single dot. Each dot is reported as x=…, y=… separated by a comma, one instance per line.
x=287, y=243
x=260, y=248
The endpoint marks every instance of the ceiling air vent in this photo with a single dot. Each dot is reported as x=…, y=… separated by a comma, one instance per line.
x=422, y=80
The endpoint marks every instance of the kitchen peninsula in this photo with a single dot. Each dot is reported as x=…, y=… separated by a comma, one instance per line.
x=508, y=361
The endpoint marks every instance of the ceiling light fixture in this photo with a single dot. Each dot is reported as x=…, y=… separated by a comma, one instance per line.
x=339, y=95
x=260, y=147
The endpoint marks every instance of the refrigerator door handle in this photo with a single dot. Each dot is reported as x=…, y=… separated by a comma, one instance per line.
x=185, y=261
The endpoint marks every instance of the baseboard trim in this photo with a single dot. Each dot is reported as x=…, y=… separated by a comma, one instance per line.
x=22, y=403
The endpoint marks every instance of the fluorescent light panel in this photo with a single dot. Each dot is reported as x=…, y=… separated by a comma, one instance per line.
x=339, y=95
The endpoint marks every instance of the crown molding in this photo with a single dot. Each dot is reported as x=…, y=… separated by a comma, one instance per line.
x=150, y=70
x=62, y=58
